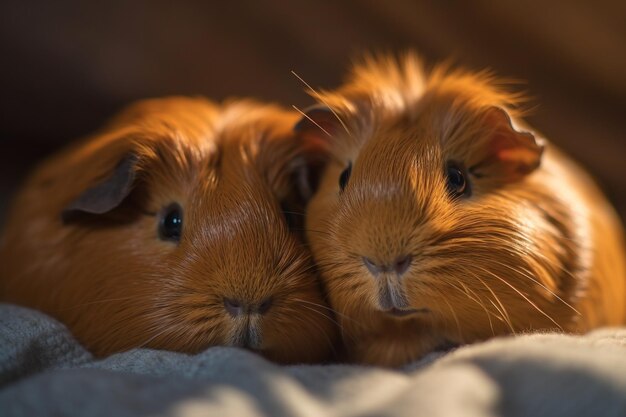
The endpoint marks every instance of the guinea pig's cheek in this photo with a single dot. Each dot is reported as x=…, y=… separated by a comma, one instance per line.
x=427, y=305
x=319, y=215
x=299, y=327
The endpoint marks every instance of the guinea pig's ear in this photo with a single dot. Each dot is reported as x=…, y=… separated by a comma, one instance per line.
x=108, y=193
x=317, y=126
x=313, y=132
x=504, y=152
x=306, y=176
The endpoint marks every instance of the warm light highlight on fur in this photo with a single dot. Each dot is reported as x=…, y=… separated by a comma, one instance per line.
x=118, y=286
x=533, y=248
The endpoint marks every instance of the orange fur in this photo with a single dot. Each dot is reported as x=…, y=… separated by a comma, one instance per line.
x=117, y=286
x=531, y=249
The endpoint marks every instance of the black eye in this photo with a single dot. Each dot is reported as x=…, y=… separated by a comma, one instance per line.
x=456, y=178
x=345, y=176
x=171, y=223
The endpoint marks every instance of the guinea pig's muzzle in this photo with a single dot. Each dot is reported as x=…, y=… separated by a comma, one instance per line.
x=246, y=320
x=391, y=296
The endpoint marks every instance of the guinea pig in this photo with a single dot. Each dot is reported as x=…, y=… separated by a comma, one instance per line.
x=167, y=229
x=441, y=219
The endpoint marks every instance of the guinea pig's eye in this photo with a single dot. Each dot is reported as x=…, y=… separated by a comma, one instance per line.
x=456, y=181
x=345, y=176
x=171, y=223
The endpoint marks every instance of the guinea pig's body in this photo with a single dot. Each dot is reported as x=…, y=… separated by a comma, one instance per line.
x=439, y=221
x=165, y=230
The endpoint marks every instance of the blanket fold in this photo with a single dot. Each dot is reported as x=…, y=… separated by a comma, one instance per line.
x=44, y=371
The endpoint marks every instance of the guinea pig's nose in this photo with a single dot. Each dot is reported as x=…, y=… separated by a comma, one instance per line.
x=399, y=266
x=264, y=305
x=236, y=308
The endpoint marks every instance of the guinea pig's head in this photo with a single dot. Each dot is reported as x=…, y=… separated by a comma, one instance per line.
x=430, y=211
x=175, y=235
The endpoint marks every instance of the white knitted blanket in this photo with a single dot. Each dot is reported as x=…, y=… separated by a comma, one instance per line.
x=44, y=372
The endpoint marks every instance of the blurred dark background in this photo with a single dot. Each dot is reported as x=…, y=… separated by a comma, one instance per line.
x=67, y=66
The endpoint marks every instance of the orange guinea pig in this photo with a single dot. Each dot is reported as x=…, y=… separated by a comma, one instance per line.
x=441, y=219
x=167, y=230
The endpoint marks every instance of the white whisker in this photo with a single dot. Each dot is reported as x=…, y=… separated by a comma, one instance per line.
x=320, y=98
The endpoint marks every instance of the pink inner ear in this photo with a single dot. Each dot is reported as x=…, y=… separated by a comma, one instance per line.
x=509, y=153
x=516, y=147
